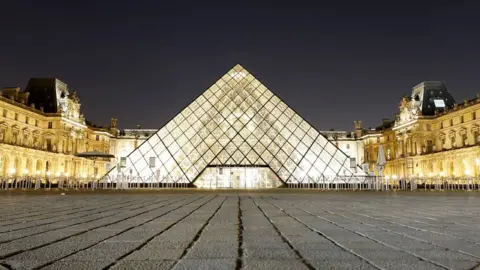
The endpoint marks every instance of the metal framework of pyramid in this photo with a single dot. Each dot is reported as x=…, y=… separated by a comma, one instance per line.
x=237, y=122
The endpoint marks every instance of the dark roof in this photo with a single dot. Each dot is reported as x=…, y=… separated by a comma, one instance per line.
x=386, y=125
x=429, y=92
x=43, y=93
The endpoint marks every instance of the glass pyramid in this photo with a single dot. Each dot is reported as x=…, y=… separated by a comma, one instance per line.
x=237, y=122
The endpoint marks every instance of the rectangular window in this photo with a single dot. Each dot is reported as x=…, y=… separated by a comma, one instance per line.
x=50, y=125
x=49, y=145
x=16, y=116
x=348, y=146
x=36, y=122
x=123, y=162
x=474, y=115
x=353, y=163
x=5, y=113
x=152, y=162
x=461, y=118
x=97, y=138
x=26, y=119
x=220, y=171
x=429, y=146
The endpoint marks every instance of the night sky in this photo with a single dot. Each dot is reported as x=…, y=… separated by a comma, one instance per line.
x=143, y=61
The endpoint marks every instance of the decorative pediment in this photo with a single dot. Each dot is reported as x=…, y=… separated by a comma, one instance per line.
x=441, y=135
x=36, y=133
x=15, y=128
x=451, y=133
x=462, y=131
x=48, y=134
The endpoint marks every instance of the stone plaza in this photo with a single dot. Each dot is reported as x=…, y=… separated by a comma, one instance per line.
x=222, y=229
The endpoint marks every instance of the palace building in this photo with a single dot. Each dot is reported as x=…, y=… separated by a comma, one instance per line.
x=41, y=130
x=432, y=136
x=237, y=134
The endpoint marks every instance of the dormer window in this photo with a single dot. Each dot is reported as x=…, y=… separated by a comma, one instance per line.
x=439, y=103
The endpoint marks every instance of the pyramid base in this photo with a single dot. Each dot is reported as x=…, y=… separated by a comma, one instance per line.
x=238, y=177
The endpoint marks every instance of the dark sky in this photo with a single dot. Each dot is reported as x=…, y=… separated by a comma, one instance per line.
x=143, y=61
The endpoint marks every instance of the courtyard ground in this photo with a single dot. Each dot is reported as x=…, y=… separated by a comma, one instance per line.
x=274, y=229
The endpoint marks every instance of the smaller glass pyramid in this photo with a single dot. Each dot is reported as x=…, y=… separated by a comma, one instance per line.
x=237, y=122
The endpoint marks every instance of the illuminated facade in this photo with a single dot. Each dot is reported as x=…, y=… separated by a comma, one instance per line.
x=237, y=134
x=432, y=136
x=41, y=128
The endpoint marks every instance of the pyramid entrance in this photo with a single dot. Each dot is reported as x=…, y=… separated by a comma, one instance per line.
x=237, y=125
x=238, y=177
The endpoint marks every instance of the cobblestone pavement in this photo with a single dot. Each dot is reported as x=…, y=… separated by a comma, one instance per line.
x=241, y=230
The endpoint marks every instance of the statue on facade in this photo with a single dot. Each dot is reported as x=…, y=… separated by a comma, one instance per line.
x=113, y=122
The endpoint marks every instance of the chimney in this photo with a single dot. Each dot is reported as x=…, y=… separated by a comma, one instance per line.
x=113, y=126
x=358, y=128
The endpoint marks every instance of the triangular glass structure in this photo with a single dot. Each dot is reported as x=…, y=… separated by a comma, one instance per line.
x=237, y=122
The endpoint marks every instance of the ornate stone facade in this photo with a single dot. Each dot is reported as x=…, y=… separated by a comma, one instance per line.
x=432, y=136
x=41, y=130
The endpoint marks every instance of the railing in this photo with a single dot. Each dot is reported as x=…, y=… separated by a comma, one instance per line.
x=366, y=183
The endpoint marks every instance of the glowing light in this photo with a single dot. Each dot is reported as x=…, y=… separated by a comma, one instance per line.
x=84, y=176
x=48, y=173
x=421, y=175
x=238, y=75
x=66, y=174
x=430, y=174
x=386, y=177
x=454, y=173
x=468, y=172
x=442, y=173
x=58, y=174
x=25, y=171
x=37, y=172
x=12, y=170
x=394, y=176
x=477, y=161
